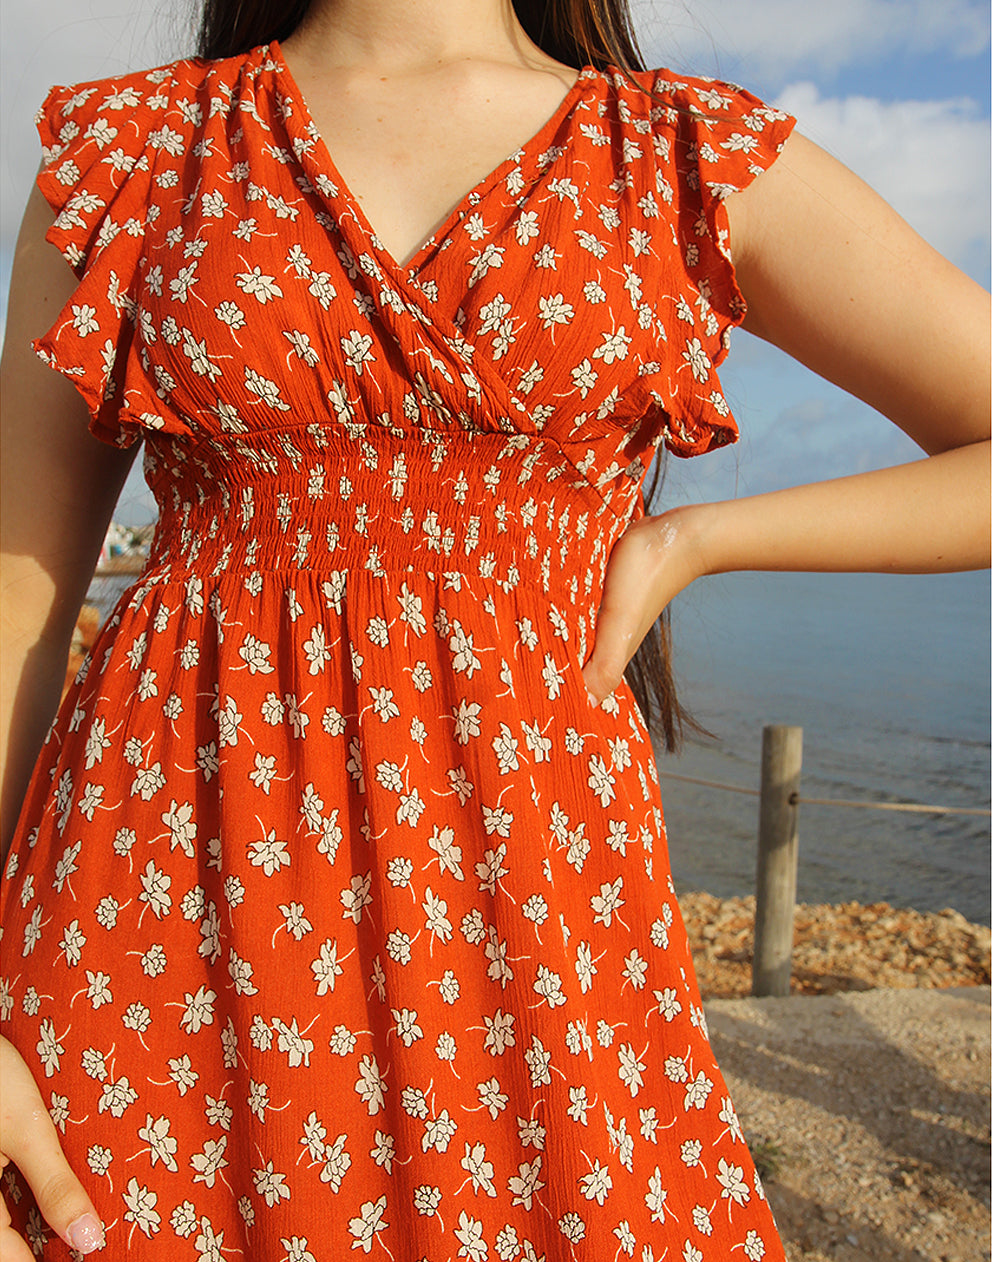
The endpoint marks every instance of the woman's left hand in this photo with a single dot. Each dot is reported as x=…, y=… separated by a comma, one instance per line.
x=650, y=563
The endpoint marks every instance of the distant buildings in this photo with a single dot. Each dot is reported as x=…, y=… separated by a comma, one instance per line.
x=126, y=541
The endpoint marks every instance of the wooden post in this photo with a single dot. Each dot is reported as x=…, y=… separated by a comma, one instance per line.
x=778, y=853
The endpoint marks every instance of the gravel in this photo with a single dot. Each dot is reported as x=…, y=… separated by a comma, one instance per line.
x=865, y=1094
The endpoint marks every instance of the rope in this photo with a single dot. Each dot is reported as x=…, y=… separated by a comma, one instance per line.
x=710, y=784
x=914, y=807
x=896, y=806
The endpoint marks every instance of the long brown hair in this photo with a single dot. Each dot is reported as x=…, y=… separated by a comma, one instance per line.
x=576, y=33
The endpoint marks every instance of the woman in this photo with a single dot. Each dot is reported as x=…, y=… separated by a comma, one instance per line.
x=338, y=912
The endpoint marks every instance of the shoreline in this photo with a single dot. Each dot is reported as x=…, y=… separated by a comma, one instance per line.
x=837, y=947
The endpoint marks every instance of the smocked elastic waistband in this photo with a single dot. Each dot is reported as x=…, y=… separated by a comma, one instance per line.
x=492, y=506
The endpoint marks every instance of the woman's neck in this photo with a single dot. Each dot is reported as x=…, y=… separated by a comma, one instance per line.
x=410, y=36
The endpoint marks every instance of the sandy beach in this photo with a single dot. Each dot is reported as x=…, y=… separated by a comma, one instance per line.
x=869, y=1111
x=865, y=1094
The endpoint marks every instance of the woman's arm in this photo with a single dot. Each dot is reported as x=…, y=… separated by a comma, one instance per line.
x=836, y=278
x=58, y=488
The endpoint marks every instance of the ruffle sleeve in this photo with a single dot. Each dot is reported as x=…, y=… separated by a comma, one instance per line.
x=711, y=139
x=99, y=142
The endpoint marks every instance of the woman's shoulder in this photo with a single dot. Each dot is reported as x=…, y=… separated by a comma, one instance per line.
x=669, y=97
x=181, y=85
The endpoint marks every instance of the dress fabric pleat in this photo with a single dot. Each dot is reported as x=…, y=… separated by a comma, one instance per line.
x=337, y=920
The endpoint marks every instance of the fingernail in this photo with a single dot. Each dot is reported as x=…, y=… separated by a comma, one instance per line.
x=85, y=1234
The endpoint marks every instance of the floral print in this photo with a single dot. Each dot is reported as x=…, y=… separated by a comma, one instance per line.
x=336, y=918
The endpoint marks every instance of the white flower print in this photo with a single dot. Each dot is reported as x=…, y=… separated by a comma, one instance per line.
x=668, y=1003
x=399, y=870
x=266, y=390
x=49, y=1049
x=269, y=853
x=426, y=1199
x=438, y=1132
x=369, y=1224
x=754, y=1246
x=701, y=1220
x=697, y=1092
x=607, y=902
x=199, y=1010
x=407, y=1028
x=141, y=1202
x=182, y=1074
x=292, y=1042
x=99, y=1159
x=697, y=359
x=731, y=1180
x=384, y=1152
x=548, y=986
x=370, y=1085
x=449, y=855
x=342, y=1041
x=467, y=724
x=357, y=349
x=505, y=747
x=117, y=1097
x=259, y=286
x=572, y=1227
x=72, y=942
x=388, y=498
x=596, y=1185
x=445, y=1048
x=631, y=1069
x=162, y=1145
x=635, y=969
x=270, y=1184
x=555, y=310
x=136, y=1017
x=579, y=1105
x=499, y=1032
x=656, y=1196
x=399, y=947
x=538, y=1059
x=464, y=659
x=337, y=1163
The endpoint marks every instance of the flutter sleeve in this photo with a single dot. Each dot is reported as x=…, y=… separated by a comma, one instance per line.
x=99, y=143
x=711, y=139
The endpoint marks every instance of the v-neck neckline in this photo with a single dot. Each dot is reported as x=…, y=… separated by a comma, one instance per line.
x=324, y=163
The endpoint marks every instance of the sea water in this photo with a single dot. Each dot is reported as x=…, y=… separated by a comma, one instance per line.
x=888, y=676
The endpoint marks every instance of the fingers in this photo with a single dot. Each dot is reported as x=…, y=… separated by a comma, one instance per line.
x=28, y=1138
x=12, y=1247
x=614, y=647
x=653, y=559
x=627, y=609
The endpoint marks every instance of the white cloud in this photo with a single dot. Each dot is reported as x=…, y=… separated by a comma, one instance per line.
x=771, y=37
x=928, y=159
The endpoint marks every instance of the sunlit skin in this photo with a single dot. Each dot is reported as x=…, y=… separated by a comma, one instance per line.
x=829, y=272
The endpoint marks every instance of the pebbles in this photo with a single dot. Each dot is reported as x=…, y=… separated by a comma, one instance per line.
x=850, y=946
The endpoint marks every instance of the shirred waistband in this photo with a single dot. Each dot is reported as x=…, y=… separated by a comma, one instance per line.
x=509, y=509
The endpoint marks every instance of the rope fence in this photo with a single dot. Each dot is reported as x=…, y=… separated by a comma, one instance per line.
x=778, y=847
x=917, y=807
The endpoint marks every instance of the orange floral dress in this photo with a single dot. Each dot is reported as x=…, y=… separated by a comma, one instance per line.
x=336, y=918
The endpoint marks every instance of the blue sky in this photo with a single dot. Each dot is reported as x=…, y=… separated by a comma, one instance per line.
x=897, y=89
